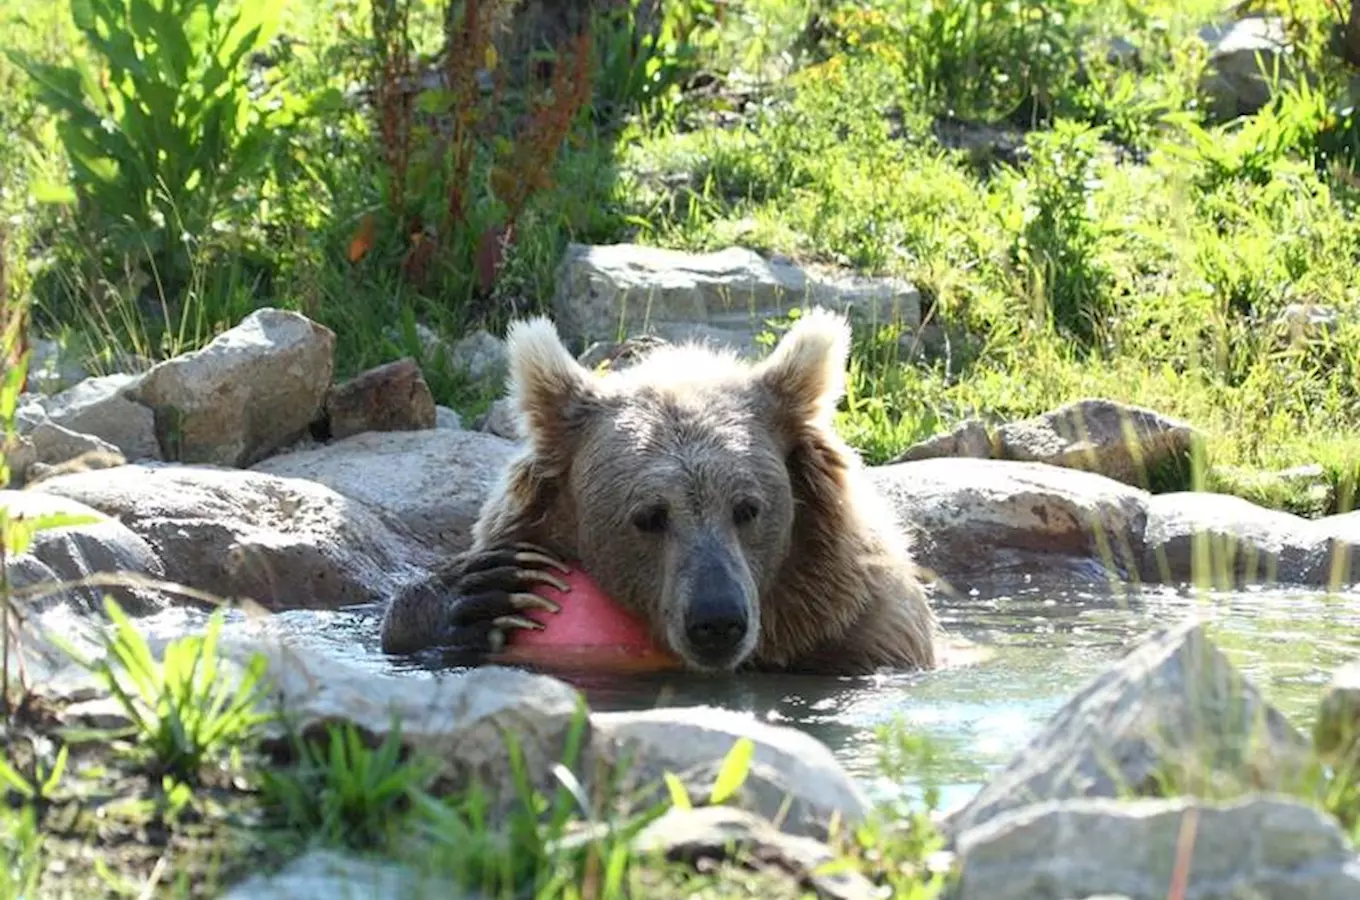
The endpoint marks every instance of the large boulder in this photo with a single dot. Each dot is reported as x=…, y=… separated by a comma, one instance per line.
x=1223, y=541
x=793, y=776
x=1261, y=847
x=1171, y=713
x=973, y=516
x=618, y=290
x=252, y=390
x=283, y=542
x=1126, y=443
x=433, y=482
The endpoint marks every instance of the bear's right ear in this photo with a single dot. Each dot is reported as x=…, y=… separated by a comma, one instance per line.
x=551, y=391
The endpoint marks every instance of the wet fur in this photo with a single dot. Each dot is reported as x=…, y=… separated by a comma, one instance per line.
x=836, y=591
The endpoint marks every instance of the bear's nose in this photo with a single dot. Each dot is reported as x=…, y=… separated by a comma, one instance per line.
x=717, y=618
x=716, y=635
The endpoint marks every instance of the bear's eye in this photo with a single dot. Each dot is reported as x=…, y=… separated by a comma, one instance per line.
x=652, y=520
x=745, y=512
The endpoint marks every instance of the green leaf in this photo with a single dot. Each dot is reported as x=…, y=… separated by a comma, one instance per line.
x=734, y=769
x=676, y=788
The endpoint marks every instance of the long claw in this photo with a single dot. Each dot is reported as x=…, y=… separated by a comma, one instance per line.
x=516, y=622
x=546, y=578
x=534, y=556
x=534, y=601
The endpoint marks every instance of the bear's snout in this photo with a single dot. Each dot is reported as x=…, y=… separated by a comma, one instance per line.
x=718, y=609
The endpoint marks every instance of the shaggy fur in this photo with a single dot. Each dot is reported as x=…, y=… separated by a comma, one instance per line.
x=699, y=433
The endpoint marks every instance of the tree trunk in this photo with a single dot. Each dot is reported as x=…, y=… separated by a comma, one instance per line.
x=1353, y=35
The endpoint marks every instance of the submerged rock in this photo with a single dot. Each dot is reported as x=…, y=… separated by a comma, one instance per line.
x=252, y=390
x=433, y=482
x=1260, y=847
x=1171, y=714
x=285, y=543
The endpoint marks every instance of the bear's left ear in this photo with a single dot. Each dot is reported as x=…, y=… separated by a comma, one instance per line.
x=805, y=374
x=553, y=394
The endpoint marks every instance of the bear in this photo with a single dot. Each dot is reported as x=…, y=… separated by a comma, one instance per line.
x=710, y=494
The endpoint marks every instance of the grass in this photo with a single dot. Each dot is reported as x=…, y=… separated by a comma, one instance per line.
x=1135, y=249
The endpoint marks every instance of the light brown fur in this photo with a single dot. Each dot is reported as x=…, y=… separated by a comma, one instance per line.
x=695, y=429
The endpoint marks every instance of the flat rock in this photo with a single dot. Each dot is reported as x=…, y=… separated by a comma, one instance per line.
x=432, y=482
x=723, y=833
x=608, y=292
x=969, y=516
x=1267, y=847
x=1126, y=443
x=250, y=391
x=390, y=397
x=69, y=553
x=1174, y=707
x=792, y=774
x=968, y=439
x=99, y=407
x=1224, y=541
x=285, y=543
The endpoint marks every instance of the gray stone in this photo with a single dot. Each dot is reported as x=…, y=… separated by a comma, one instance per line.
x=501, y=419
x=447, y=419
x=1239, y=53
x=54, y=444
x=1173, y=716
x=794, y=778
x=1126, y=443
x=330, y=874
x=1266, y=847
x=1304, y=323
x=968, y=439
x=67, y=554
x=482, y=356
x=284, y=543
x=250, y=391
x=99, y=407
x=1224, y=541
x=1340, y=538
x=973, y=516
x=1336, y=731
x=433, y=482
x=723, y=833
x=390, y=397
x=51, y=367
x=615, y=291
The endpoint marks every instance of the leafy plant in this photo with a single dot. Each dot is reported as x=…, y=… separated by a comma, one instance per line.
x=186, y=709
x=21, y=852
x=165, y=126
x=642, y=59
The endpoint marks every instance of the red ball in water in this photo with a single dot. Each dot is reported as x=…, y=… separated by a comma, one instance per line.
x=591, y=630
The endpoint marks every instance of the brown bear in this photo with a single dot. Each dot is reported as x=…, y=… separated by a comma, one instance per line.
x=710, y=494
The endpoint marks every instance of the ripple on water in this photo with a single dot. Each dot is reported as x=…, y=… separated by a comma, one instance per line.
x=1045, y=643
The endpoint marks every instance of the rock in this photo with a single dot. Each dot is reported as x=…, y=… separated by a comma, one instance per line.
x=448, y=419
x=53, y=444
x=65, y=554
x=432, y=482
x=1233, y=81
x=1340, y=537
x=1336, y=732
x=1225, y=541
x=969, y=439
x=99, y=407
x=788, y=766
x=1304, y=323
x=722, y=833
x=1274, y=848
x=327, y=873
x=987, y=146
x=1170, y=715
x=977, y=516
x=606, y=292
x=459, y=721
x=390, y=397
x=501, y=420
x=482, y=356
x=1126, y=443
x=51, y=368
x=284, y=543
x=250, y=391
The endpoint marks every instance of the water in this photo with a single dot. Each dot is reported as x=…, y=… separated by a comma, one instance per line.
x=1044, y=641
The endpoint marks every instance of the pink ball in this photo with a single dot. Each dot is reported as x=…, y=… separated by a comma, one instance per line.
x=591, y=629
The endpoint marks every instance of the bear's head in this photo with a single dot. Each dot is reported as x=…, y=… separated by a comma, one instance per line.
x=679, y=483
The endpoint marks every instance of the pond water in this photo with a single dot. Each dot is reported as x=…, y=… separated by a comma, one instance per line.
x=1042, y=643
